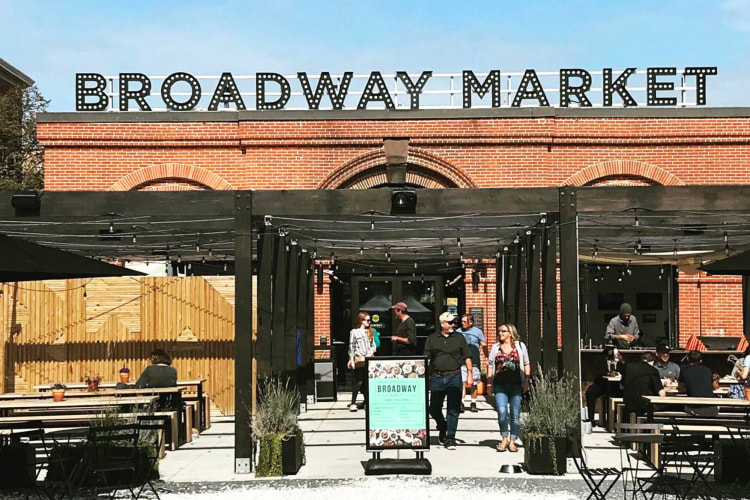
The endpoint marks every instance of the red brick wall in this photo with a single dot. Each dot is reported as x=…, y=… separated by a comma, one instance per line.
x=482, y=152
x=709, y=305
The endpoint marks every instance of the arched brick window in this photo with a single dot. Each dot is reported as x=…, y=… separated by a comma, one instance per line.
x=424, y=169
x=170, y=177
x=623, y=173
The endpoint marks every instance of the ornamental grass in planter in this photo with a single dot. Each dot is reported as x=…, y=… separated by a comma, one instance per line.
x=553, y=409
x=274, y=427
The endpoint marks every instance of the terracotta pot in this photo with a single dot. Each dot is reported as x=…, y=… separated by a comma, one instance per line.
x=58, y=394
x=125, y=377
x=747, y=393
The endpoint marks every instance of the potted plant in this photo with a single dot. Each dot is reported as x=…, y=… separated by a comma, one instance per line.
x=58, y=391
x=92, y=382
x=274, y=426
x=124, y=374
x=553, y=410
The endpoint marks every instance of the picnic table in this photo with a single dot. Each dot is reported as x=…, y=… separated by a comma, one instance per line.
x=197, y=383
x=102, y=393
x=8, y=406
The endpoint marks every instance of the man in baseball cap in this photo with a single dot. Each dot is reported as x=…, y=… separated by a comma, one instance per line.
x=405, y=338
x=447, y=351
x=667, y=368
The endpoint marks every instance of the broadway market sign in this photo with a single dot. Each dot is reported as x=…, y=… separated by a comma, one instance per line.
x=660, y=86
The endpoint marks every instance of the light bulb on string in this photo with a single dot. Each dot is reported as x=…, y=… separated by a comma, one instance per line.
x=135, y=240
x=516, y=239
x=638, y=246
x=179, y=259
x=629, y=270
x=203, y=260
x=225, y=267
x=111, y=227
x=595, y=253
x=674, y=250
x=372, y=223
x=362, y=248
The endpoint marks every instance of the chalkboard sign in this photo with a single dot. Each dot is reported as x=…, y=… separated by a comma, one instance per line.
x=478, y=313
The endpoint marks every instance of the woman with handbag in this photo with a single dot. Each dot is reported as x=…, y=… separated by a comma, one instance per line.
x=361, y=346
x=510, y=369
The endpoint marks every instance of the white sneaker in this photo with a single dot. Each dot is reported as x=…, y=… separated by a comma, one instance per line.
x=352, y=407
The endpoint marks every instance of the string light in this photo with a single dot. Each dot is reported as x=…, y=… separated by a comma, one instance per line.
x=111, y=227
x=225, y=267
x=203, y=260
x=135, y=240
x=674, y=251
x=362, y=248
x=629, y=270
x=726, y=244
x=596, y=249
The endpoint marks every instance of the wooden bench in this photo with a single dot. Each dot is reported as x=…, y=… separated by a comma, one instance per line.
x=614, y=413
x=171, y=419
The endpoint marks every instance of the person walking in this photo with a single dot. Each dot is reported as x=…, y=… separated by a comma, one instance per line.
x=475, y=339
x=510, y=369
x=447, y=351
x=361, y=346
x=405, y=338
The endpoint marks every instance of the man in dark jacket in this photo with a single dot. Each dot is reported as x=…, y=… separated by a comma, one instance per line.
x=696, y=380
x=641, y=379
x=405, y=338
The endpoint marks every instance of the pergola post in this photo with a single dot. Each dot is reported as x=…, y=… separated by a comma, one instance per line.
x=279, y=308
x=549, y=297
x=500, y=276
x=521, y=282
x=569, y=296
x=310, y=340
x=535, y=300
x=266, y=256
x=512, y=296
x=290, y=325
x=243, y=331
x=302, y=274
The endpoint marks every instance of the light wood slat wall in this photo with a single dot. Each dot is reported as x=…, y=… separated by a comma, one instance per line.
x=63, y=330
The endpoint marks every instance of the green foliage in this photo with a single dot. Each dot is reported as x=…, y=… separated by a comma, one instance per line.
x=21, y=156
x=553, y=407
x=277, y=410
x=274, y=422
x=58, y=386
x=269, y=457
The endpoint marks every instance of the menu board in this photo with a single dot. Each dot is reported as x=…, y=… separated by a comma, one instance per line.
x=397, y=403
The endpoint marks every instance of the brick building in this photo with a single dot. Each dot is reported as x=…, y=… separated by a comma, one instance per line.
x=473, y=148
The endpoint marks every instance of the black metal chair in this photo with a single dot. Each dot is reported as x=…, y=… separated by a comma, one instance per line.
x=151, y=438
x=110, y=460
x=595, y=478
x=696, y=452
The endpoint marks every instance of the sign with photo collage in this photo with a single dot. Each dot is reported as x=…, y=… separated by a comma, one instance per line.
x=397, y=417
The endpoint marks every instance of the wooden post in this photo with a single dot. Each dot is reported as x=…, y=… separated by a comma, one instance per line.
x=266, y=257
x=571, y=337
x=535, y=300
x=290, y=326
x=303, y=271
x=549, y=294
x=521, y=282
x=243, y=331
x=499, y=291
x=311, y=330
x=279, y=308
x=512, y=296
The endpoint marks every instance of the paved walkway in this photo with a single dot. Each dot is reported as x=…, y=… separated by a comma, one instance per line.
x=334, y=439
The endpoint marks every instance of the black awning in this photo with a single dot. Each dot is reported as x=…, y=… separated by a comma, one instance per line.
x=22, y=260
x=736, y=264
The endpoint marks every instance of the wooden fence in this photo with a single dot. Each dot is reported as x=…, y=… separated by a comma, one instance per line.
x=64, y=330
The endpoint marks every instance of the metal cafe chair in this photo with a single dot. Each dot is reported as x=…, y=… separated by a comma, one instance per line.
x=151, y=432
x=110, y=460
x=694, y=451
x=639, y=473
x=595, y=478
x=740, y=437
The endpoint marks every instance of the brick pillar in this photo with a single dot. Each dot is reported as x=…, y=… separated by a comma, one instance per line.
x=323, y=307
x=484, y=297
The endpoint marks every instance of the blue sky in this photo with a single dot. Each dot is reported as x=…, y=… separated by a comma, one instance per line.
x=52, y=40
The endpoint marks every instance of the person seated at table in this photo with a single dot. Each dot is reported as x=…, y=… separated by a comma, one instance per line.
x=697, y=381
x=161, y=373
x=667, y=369
x=612, y=365
x=640, y=379
x=745, y=372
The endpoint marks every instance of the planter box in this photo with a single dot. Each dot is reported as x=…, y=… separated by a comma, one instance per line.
x=291, y=455
x=538, y=457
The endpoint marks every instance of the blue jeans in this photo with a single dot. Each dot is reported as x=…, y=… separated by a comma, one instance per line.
x=440, y=387
x=508, y=395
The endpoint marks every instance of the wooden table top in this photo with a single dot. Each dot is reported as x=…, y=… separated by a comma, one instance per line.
x=103, y=393
x=110, y=385
x=698, y=401
x=29, y=404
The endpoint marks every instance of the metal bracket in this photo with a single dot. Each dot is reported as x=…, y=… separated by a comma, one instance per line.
x=242, y=466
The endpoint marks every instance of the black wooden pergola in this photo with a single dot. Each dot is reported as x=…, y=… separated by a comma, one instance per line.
x=277, y=235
